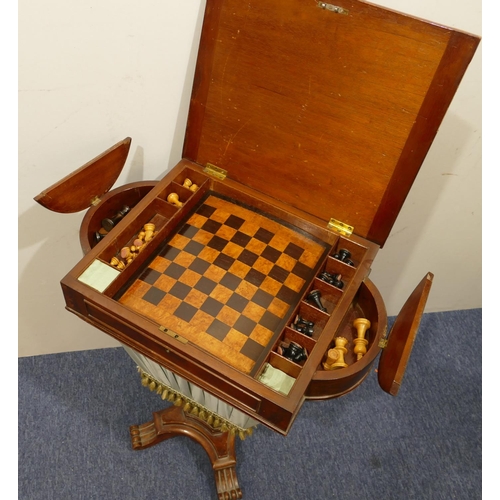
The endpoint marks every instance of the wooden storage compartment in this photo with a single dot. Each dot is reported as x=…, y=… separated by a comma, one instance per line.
x=113, y=201
x=356, y=250
x=190, y=179
x=181, y=195
x=291, y=336
x=367, y=304
x=308, y=313
x=329, y=296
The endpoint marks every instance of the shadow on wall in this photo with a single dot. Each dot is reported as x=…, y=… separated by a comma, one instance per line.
x=396, y=259
x=57, y=238
x=40, y=296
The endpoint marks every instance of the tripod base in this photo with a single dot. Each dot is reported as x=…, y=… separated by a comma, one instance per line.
x=220, y=446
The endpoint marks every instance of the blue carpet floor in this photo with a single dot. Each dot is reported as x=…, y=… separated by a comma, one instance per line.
x=75, y=410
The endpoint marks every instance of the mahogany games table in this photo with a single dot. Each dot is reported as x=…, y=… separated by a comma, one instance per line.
x=239, y=282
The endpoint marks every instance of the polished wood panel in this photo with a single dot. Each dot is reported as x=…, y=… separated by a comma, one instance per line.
x=80, y=189
x=395, y=357
x=332, y=114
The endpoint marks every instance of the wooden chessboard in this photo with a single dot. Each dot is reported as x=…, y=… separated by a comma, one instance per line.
x=228, y=280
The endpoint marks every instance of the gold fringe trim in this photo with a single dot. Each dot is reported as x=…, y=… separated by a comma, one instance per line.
x=192, y=407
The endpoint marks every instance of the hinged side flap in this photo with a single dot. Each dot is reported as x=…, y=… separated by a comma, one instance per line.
x=78, y=190
x=395, y=356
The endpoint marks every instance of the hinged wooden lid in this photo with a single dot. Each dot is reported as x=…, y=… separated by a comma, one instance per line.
x=82, y=188
x=395, y=356
x=328, y=108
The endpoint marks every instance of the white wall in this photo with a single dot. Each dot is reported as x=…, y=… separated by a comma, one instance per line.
x=92, y=73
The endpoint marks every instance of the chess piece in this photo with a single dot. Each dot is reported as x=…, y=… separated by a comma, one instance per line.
x=173, y=198
x=331, y=357
x=299, y=319
x=188, y=183
x=360, y=343
x=116, y=262
x=344, y=256
x=125, y=253
x=340, y=347
x=332, y=279
x=99, y=236
x=149, y=230
x=111, y=222
x=336, y=281
x=315, y=297
x=303, y=326
x=294, y=352
x=326, y=277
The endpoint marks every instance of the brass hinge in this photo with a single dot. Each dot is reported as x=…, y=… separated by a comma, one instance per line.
x=383, y=343
x=333, y=8
x=95, y=201
x=384, y=340
x=173, y=334
x=340, y=227
x=215, y=171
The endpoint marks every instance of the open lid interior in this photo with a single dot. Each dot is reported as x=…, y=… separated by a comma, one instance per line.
x=328, y=109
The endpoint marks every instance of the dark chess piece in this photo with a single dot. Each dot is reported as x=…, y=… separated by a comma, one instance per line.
x=98, y=236
x=332, y=279
x=336, y=281
x=294, y=352
x=303, y=326
x=111, y=222
x=315, y=297
x=324, y=276
x=344, y=256
x=306, y=322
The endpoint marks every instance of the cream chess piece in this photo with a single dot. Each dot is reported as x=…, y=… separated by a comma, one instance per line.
x=173, y=198
x=360, y=343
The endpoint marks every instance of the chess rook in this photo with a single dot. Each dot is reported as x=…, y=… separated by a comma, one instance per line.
x=331, y=357
x=340, y=347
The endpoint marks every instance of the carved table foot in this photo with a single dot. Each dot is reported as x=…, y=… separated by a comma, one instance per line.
x=219, y=446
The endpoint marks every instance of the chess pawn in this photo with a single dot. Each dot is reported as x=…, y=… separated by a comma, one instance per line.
x=187, y=183
x=360, y=343
x=340, y=343
x=173, y=198
x=149, y=231
x=115, y=262
x=344, y=256
x=193, y=188
x=138, y=245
